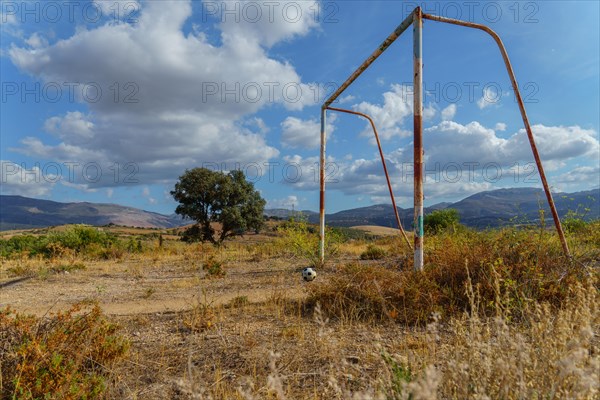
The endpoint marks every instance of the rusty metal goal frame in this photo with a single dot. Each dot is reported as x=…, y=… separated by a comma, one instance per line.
x=415, y=18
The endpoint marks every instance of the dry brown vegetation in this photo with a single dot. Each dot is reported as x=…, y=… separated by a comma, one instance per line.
x=499, y=314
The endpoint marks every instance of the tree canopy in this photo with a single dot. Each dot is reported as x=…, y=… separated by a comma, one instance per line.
x=208, y=196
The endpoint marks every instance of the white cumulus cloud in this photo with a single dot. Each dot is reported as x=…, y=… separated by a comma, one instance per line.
x=168, y=99
x=461, y=160
x=449, y=112
x=389, y=116
x=297, y=132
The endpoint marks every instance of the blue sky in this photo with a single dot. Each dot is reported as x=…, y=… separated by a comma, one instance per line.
x=110, y=101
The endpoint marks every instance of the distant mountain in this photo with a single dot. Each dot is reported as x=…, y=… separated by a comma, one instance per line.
x=17, y=212
x=482, y=210
x=523, y=205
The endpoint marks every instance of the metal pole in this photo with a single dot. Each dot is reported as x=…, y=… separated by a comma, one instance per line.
x=322, y=187
x=385, y=170
x=515, y=86
x=418, y=136
x=382, y=47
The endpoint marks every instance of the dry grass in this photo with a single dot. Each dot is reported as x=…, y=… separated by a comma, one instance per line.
x=496, y=314
x=378, y=230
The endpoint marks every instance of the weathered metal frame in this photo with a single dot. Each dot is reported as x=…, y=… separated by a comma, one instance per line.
x=416, y=19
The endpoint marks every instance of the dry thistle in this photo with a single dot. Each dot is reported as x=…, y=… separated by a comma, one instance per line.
x=321, y=320
x=275, y=380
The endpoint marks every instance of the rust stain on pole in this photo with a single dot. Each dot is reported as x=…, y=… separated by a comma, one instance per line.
x=418, y=137
x=385, y=170
x=530, y=136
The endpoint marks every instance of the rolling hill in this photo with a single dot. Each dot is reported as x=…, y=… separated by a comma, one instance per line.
x=482, y=210
x=17, y=212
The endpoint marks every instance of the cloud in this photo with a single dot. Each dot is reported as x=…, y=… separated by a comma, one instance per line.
x=460, y=160
x=264, y=21
x=162, y=98
x=580, y=175
x=74, y=125
x=450, y=142
x=557, y=143
x=365, y=177
x=148, y=195
x=17, y=180
x=347, y=99
x=500, y=126
x=37, y=41
x=118, y=9
x=297, y=132
x=449, y=112
x=288, y=202
x=429, y=112
x=258, y=123
x=491, y=96
x=388, y=117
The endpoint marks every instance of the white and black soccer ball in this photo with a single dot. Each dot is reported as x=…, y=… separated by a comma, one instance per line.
x=309, y=274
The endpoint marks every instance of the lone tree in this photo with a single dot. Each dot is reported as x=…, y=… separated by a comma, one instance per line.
x=209, y=196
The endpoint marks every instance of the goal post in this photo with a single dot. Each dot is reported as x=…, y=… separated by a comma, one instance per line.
x=415, y=18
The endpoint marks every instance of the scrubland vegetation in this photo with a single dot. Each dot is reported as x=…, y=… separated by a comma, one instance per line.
x=499, y=314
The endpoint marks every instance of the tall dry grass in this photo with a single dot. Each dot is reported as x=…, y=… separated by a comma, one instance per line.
x=526, y=265
x=549, y=354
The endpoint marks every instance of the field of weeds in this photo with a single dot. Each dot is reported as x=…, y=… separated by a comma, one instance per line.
x=137, y=314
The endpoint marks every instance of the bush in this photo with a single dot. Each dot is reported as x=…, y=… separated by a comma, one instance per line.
x=75, y=238
x=373, y=253
x=78, y=237
x=302, y=240
x=213, y=267
x=68, y=356
x=573, y=224
x=28, y=244
x=441, y=220
x=524, y=265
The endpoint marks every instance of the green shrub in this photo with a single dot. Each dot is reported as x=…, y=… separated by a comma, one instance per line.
x=573, y=224
x=441, y=220
x=373, y=253
x=75, y=238
x=301, y=239
x=78, y=237
x=213, y=267
x=400, y=375
x=28, y=244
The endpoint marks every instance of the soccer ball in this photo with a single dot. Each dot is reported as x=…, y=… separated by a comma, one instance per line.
x=308, y=274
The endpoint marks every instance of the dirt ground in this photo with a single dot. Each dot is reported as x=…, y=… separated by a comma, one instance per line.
x=142, y=286
x=196, y=335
